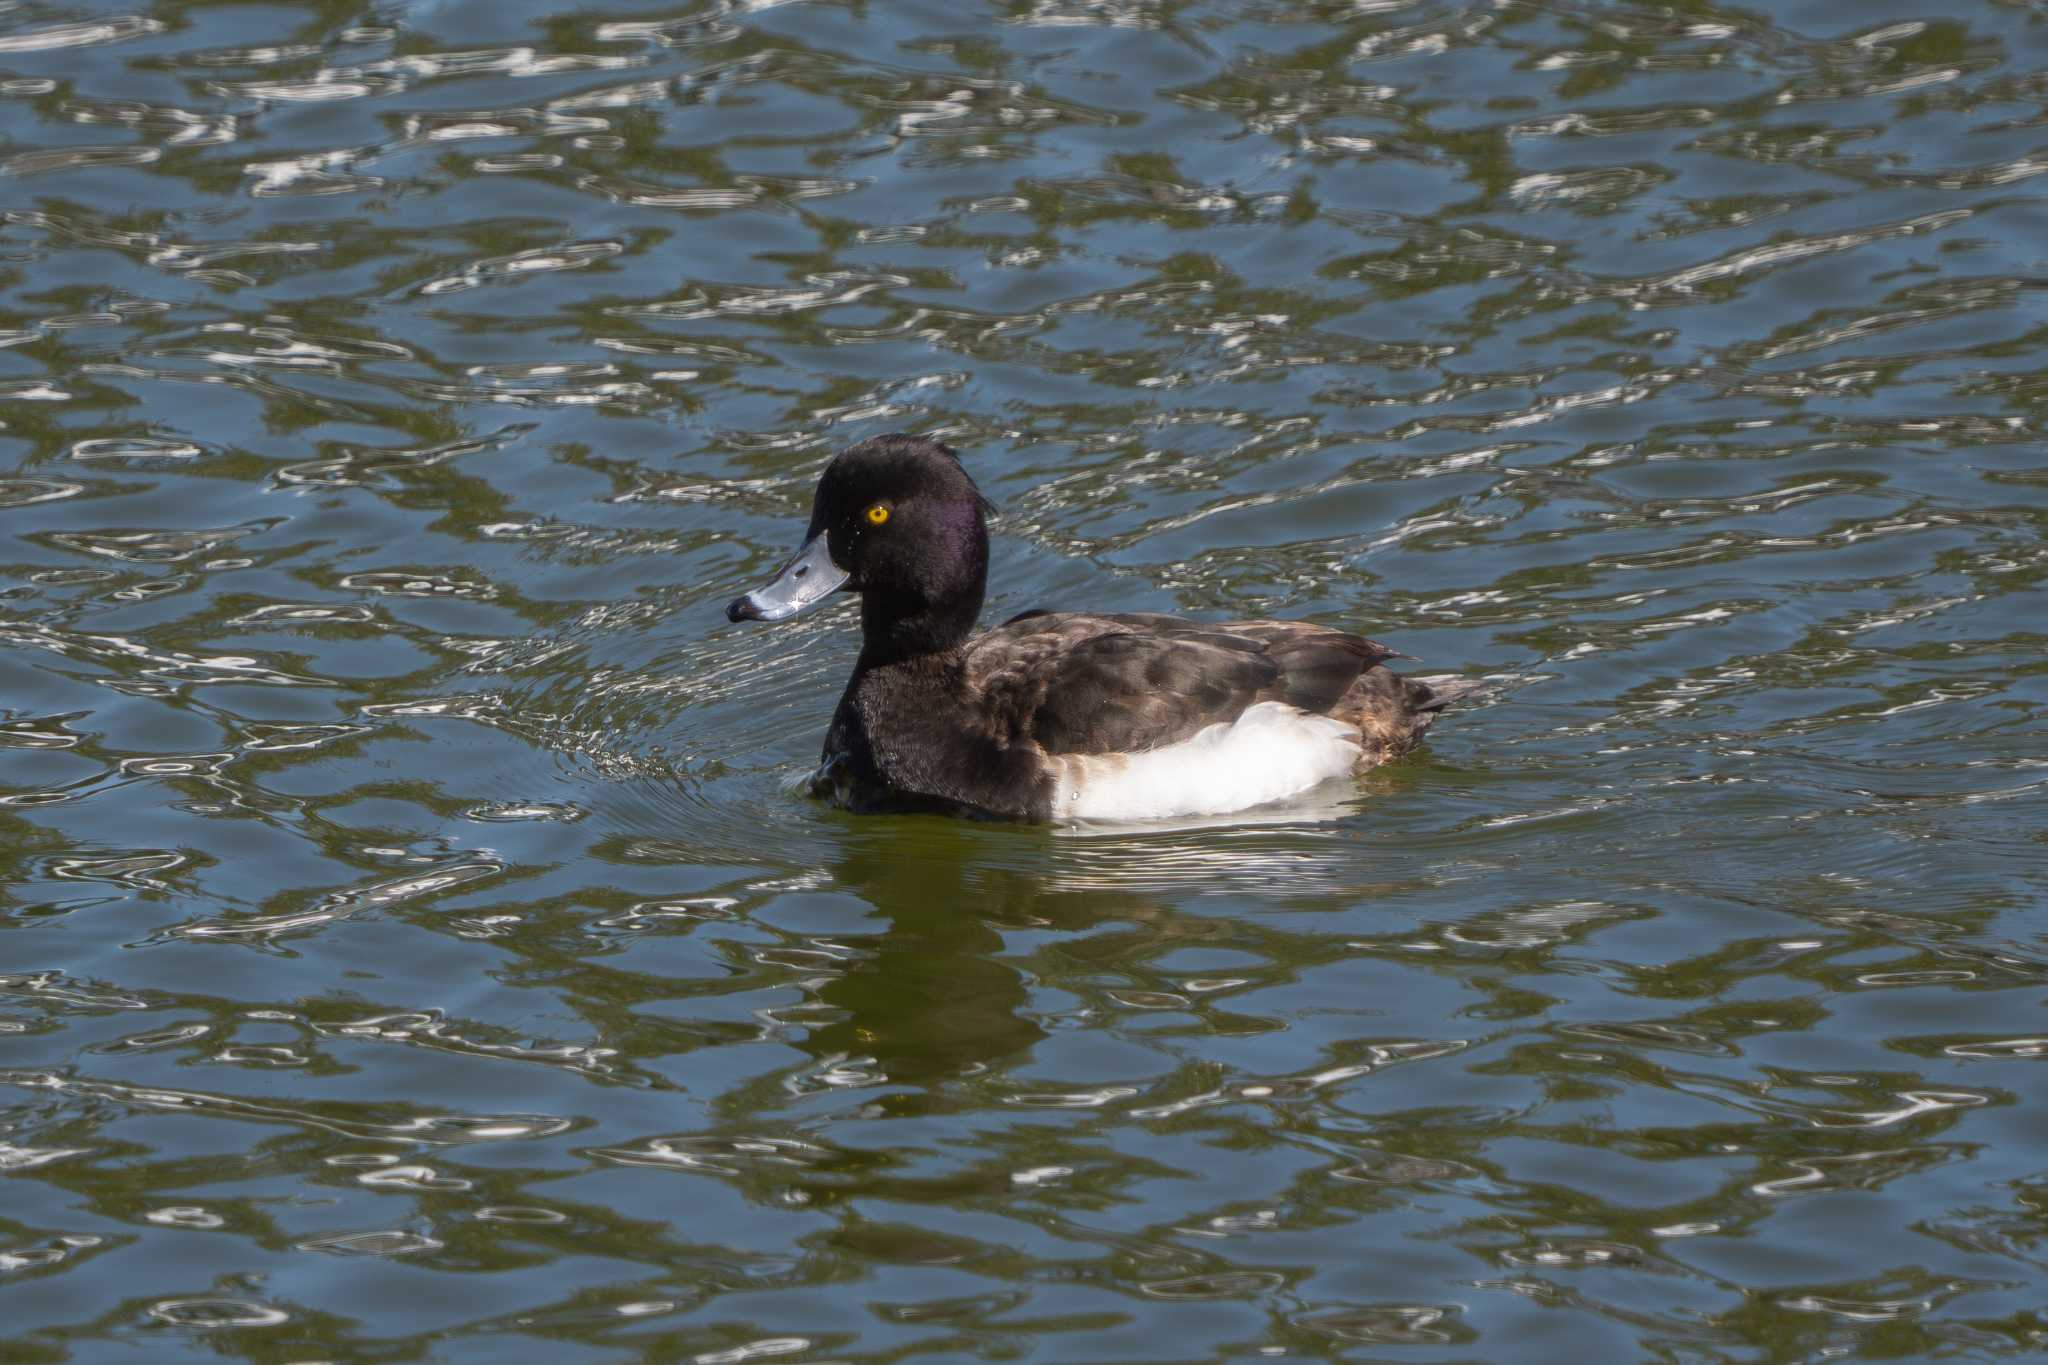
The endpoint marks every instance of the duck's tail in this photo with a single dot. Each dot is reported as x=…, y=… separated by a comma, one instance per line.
x=1391, y=712
x=1425, y=699
x=1429, y=695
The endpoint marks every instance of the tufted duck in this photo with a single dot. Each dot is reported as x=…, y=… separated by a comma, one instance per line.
x=1061, y=715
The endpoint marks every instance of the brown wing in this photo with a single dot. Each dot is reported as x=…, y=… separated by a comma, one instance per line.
x=1320, y=664
x=1075, y=683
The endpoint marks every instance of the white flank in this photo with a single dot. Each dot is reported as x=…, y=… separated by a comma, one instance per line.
x=1271, y=752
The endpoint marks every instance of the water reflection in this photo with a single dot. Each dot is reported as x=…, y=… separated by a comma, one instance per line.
x=932, y=993
x=929, y=996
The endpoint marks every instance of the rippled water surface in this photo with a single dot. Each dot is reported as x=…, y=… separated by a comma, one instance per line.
x=413, y=947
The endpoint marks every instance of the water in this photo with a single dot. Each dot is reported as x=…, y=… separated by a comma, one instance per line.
x=414, y=948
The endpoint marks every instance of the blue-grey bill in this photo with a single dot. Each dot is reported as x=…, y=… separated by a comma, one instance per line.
x=808, y=579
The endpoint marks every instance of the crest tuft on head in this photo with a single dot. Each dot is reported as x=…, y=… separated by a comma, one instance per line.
x=911, y=444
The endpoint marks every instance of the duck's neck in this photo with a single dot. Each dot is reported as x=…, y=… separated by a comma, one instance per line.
x=899, y=632
x=932, y=612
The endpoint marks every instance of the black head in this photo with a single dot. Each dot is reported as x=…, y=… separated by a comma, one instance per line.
x=897, y=520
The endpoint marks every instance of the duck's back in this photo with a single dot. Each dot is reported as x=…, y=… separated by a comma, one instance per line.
x=1075, y=683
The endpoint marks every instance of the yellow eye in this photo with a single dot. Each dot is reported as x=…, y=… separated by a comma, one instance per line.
x=877, y=514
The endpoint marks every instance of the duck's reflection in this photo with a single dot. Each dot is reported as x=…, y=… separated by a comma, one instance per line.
x=969, y=917
x=935, y=992
x=929, y=995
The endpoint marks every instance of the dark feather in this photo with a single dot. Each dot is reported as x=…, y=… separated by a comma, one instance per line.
x=1071, y=682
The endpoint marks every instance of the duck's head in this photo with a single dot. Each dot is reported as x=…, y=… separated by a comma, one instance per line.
x=897, y=520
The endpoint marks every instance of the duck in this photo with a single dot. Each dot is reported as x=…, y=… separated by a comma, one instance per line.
x=1067, y=717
